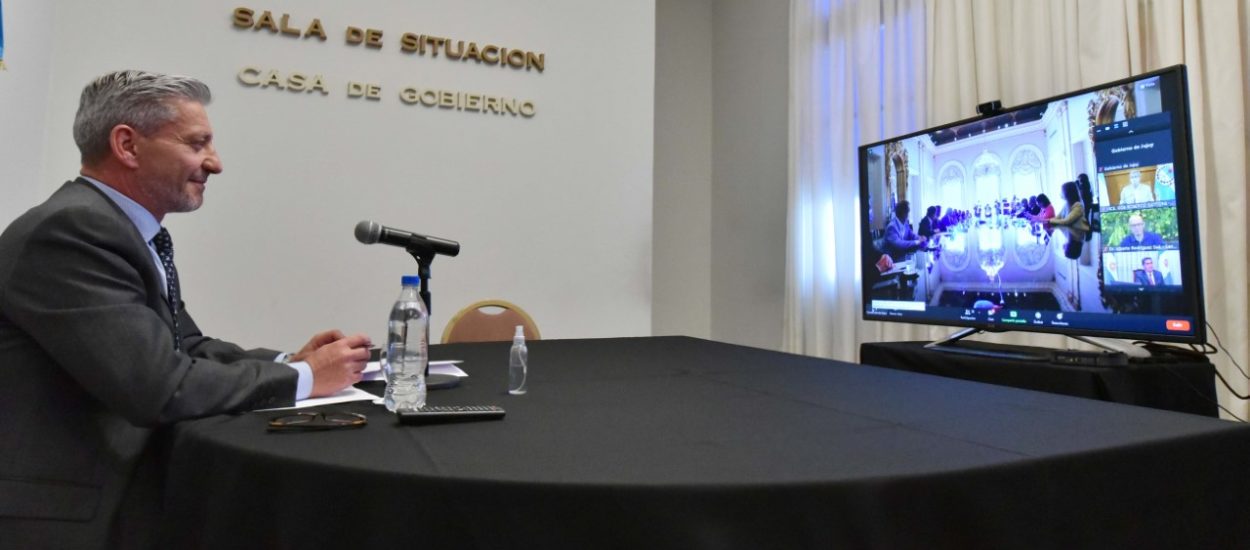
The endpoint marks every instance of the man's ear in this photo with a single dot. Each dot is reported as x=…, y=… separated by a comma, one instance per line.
x=123, y=142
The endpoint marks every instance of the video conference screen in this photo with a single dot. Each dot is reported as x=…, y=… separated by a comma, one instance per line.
x=1072, y=215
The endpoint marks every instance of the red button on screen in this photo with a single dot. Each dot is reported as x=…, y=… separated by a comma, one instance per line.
x=1178, y=325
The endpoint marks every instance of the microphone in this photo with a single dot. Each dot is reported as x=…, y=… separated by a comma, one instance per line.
x=368, y=232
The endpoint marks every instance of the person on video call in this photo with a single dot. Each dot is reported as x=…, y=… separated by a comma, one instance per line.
x=1136, y=191
x=1093, y=214
x=872, y=256
x=1073, y=214
x=97, y=349
x=1022, y=208
x=1033, y=207
x=899, y=238
x=1046, y=209
x=1137, y=234
x=929, y=224
x=1148, y=276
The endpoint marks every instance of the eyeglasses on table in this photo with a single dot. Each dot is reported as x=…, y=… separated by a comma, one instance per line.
x=310, y=421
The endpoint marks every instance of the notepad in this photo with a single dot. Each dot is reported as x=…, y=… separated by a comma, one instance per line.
x=373, y=371
x=350, y=393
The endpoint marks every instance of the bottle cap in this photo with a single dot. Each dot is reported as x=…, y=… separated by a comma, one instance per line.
x=409, y=280
x=520, y=332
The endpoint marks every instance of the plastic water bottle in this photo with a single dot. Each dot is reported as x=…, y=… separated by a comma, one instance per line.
x=407, y=349
x=517, y=363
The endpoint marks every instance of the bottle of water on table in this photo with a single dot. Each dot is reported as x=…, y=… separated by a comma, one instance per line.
x=407, y=349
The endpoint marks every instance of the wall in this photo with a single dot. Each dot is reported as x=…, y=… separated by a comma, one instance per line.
x=681, y=277
x=750, y=95
x=720, y=169
x=23, y=87
x=301, y=171
x=553, y=212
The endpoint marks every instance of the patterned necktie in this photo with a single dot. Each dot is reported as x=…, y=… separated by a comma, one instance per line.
x=165, y=250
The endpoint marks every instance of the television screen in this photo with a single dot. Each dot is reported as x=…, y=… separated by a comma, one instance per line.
x=1073, y=215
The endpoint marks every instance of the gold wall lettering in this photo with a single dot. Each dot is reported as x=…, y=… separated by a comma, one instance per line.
x=467, y=101
x=365, y=90
x=293, y=81
x=410, y=44
x=246, y=18
x=370, y=37
x=459, y=50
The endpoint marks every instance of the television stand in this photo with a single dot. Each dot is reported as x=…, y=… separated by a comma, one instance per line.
x=953, y=344
x=1116, y=353
x=1185, y=384
x=1136, y=352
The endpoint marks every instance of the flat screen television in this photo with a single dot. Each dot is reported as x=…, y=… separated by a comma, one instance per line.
x=1073, y=215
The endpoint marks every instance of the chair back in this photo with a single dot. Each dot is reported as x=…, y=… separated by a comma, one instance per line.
x=489, y=321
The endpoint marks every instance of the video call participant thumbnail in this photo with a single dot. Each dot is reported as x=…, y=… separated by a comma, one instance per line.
x=1148, y=276
x=1136, y=191
x=1138, y=235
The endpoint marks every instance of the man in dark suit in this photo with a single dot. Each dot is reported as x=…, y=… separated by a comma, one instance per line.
x=97, y=350
x=1148, y=276
x=929, y=224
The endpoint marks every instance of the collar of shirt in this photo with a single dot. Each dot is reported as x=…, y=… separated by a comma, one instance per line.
x=144, y=221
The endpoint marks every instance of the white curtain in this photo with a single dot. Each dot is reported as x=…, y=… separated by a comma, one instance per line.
x=849, y=73
x=857, y=75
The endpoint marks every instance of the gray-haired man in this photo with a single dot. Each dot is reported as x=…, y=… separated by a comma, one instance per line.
x=97, y=351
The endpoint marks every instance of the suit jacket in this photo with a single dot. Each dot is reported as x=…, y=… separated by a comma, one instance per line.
x=899, y=239
x=1143, y=279
x=88, y=372
x=927, y=227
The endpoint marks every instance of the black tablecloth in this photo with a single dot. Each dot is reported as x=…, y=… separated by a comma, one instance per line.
x=676, y=442
x=1176, y=385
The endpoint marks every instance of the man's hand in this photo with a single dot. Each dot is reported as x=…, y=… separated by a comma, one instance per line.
x=318, y=340
x=337, y=364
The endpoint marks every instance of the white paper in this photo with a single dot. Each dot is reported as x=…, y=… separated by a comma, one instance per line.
x=373, y=370
x=350, y=393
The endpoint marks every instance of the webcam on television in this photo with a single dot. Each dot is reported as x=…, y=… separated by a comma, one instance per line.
x=990, y=108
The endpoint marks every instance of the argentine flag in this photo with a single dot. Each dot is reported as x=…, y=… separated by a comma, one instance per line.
x=1, y=36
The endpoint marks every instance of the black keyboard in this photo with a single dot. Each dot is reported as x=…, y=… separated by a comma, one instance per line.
x=450, y=413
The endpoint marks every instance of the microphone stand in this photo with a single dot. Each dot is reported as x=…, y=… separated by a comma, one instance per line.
x=424, y=257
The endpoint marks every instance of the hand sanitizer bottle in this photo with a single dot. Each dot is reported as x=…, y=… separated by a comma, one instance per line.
x=517, y=363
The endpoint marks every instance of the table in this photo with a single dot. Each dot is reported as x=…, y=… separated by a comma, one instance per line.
x=673, y=442
x=1185, y=386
